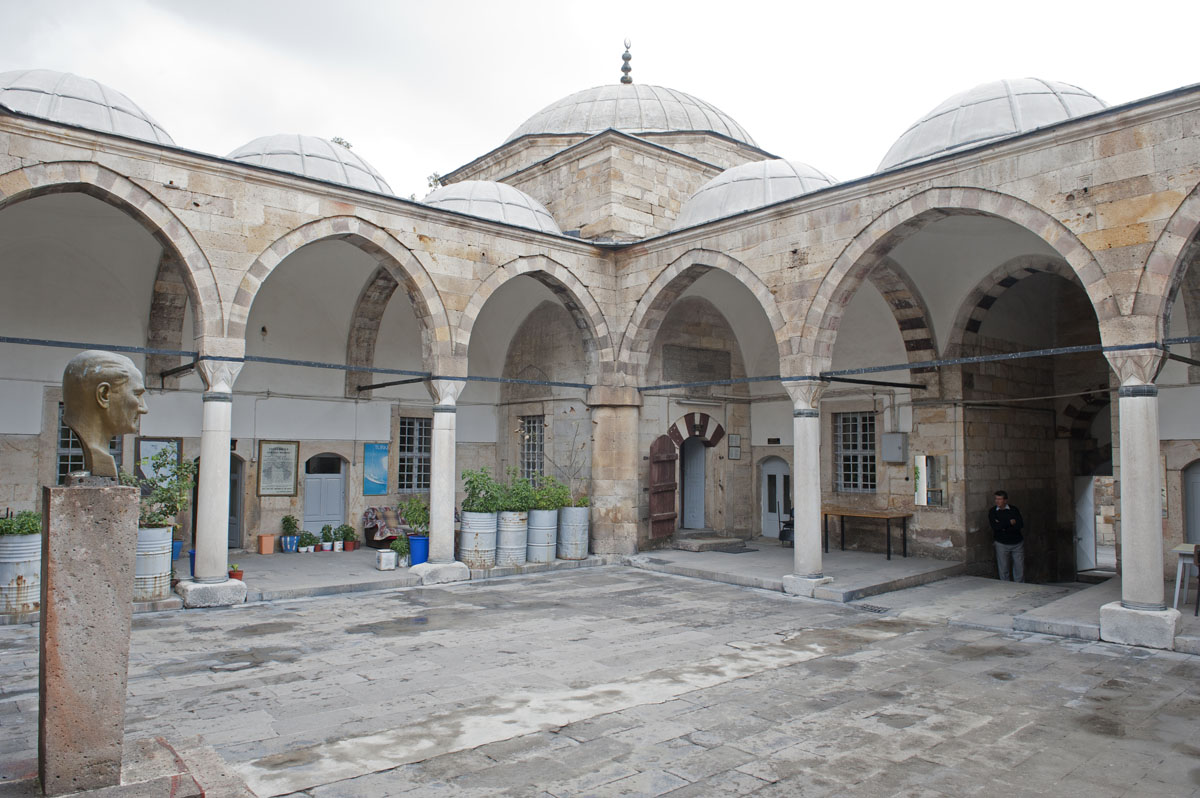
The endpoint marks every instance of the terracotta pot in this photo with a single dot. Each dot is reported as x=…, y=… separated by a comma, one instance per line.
x=236, y=574
x=266, y=544
x=351, y=545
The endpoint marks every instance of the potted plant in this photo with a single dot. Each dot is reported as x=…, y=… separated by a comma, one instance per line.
x=348, y=535
x=307, y=541
x=166, y=489
x=512, y=527
x=21, y=561
x=327, y=538
x=291, y=533
x=477, y=542
x=543, y=519
x=573, y=516
x=235, y=571
x=416, y=515
x=396, y=554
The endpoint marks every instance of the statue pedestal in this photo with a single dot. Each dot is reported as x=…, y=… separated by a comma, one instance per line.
x=89, y=549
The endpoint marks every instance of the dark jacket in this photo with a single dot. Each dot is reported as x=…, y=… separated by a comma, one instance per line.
x=1004, y=531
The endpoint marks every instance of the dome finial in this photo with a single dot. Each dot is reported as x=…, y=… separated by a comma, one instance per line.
x=625, y=68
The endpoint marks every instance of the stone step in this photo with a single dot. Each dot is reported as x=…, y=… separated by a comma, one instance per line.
x=1094, y=577
x=708, y=543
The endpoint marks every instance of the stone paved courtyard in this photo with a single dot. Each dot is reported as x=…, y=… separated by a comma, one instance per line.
x=612, y=681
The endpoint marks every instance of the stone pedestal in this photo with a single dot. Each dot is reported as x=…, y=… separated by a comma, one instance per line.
x=803, y=586
x=1130, y=627
x=88, y=560
x=212, y=594
x=439, y=573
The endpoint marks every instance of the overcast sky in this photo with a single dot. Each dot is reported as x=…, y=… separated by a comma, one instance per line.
x=424, y=87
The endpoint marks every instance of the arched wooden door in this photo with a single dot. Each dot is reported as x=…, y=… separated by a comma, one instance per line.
x=662, y=487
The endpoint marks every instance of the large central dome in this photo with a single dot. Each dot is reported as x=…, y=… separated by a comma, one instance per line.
x=631, y=108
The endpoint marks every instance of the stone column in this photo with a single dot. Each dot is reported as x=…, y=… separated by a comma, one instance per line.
x=808, y=572
x=1141, y=617
x=615, y=460
x=212, y=586
x=442, y=480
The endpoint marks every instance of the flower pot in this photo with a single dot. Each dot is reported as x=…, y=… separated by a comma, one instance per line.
x=266, y=544
x=573, y=533
x=20, y=573
x=351, y=545
x=477, y=540
x=418, y=549
x=326, y=546
x=289, y=543
x=152, y=564
x=385, y=560
x=339, y=545
x=307, y=549
x=237, y=574
x=543, y=535
x=512, y=536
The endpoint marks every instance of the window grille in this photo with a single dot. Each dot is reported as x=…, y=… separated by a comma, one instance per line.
x=412, y=453
x=70, y=449
x=854, y=452
x=533, y=452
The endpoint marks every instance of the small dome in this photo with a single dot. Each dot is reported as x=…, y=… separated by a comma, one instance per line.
x=631, y=108
x=749, y=186
x=496, y=201
x=988, y=112
x=312, y=157
x=72, y=100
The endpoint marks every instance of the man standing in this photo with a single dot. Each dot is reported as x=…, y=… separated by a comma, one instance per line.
x=1006, y=523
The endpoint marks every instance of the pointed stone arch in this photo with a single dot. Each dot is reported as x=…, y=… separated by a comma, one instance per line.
x=571, y=292
x=1167, y=271
x=397, y=264
x=909, y=217
x=666, y=288
x=157, y=219
x=908, y=309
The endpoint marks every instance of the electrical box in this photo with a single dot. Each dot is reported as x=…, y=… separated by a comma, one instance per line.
x=893, y=447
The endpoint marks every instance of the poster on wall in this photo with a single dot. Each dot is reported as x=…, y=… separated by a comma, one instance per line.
x=375, y=469
x=277, y=466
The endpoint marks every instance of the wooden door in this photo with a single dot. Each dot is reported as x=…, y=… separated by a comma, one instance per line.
x=662, y=487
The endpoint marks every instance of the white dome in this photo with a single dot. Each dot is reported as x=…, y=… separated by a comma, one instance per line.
x=312, y=157
x=496, y=201
x=631, y=108
x=72, y=100
x=987, y=112
x=751, y=185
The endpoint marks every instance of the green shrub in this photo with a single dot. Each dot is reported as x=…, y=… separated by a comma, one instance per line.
x=416, y=514
x=400, y=545
x=346, y=533
x=327, y=534
x=483, y=492
x=307, y=539
x=166, y=488
x=26, y=522
x=518, y=496
x=551, y=495
x=290, y=525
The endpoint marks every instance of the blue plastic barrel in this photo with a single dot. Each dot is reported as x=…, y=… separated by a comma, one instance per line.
x=176, y=549
x=418, y=548
x=192, y=561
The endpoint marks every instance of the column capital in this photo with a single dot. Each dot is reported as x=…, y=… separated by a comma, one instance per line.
x=445, y=392
x=805, y=394
x=613, y=396
x=1135, y=366
x=219, y=375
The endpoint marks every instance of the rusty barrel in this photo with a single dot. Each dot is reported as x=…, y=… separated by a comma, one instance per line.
x=20, y=573
x=152, y=570
x=477, y=540
x=512, y=532
x=543, y=533
x=573, y=533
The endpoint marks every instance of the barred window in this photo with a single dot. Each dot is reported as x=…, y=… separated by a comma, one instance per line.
x=532, y=448
x=854, y=452
x=70, y=450
x=412, y=453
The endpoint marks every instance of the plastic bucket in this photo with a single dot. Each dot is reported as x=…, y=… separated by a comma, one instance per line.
x=152, y=568
x=176, y=549
x=477, y=540
x=543, y=534
x=418, y=549
x=573, y=533
x=20, y=573
x=512, y=534
x=290, y=543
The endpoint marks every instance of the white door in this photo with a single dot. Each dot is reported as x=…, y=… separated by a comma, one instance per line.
x=776, y=496
x=324, y=493
x=1191, y=499
x=693, y=483
x=1085, y=524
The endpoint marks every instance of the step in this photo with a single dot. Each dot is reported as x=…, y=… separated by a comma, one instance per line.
x=708, y=543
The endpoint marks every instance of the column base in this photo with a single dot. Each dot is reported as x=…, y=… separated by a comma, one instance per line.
x=796, y=585
x=212, y=594
x=1149, y=628
x=439, y=573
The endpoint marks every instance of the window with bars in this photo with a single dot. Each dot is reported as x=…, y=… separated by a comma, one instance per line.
x=854, y=452
x=412, y=453
x=70, y=449
x=533, y=451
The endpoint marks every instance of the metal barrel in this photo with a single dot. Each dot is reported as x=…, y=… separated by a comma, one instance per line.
x=543, y=534
x=477, y=540
x=152, y=570
x=573, y=533
x=511, y=535
x=20, y=573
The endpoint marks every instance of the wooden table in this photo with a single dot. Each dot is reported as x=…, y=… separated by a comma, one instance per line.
x=888, y=515
x=1183, y=570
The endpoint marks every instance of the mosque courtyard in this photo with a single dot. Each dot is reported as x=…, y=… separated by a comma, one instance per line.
x=613, y=681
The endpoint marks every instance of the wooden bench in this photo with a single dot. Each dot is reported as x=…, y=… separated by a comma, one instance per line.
x=887, y=515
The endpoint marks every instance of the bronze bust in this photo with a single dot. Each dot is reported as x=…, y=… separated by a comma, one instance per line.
x=103, y=396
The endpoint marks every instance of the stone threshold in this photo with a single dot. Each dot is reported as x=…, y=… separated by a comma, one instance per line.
x=592, y=561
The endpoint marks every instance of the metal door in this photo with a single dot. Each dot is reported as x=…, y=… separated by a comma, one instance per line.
x=662, y=487
x=324, y=499
x=776, y=498
x=1085, y=524
x=235, y=502
x=693, y=483
x=1191, y=499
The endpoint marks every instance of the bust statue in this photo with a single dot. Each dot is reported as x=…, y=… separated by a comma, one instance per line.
x=103, y=396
